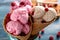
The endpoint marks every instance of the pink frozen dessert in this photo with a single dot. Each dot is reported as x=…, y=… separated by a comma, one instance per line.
x=20, y=14
x=14, y=5
x=29, y=9
x=27, y=2
x=14, y=27
x=19, y=18
x=25, y=29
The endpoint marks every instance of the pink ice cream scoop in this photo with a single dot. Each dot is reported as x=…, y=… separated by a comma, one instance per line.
x=20, y=14
x=27, y=2
x=14, y=27
x=26, y=29
x=29, y=8
x=14, y=5
x=14, y=16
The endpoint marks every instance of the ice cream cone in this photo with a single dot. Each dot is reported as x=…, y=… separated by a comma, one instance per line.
x=39, y=23
x=18, y=37
x=37, y=26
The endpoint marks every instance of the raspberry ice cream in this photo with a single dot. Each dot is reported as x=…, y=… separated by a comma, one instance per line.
x=27, y=2
x=19, y=17
x=25, y=29
x=20, y=14
x=14, y=27
x=29, y=8
x=14, y=5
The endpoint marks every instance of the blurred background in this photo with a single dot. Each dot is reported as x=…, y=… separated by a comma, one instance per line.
x=52, y=29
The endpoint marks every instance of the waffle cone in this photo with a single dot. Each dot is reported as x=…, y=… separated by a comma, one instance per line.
x=19, y=37
x=38, y=26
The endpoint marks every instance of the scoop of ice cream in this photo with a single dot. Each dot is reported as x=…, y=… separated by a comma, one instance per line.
x=50, y=15
x=14, y=27
x=29, y=8
x=27, y=2
x=26, y=29
x=20, y=14
x=14, y=15
x=23, y=17
x=14, y=5
x=38, y=11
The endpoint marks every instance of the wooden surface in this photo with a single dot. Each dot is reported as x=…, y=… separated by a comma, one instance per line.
x=50, y=0
x=47, y=0
x=34, y=2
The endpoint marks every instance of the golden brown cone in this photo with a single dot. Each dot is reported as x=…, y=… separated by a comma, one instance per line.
x=38, y=26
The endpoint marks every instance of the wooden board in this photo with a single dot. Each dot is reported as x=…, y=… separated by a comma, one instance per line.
x=47, y=0
x=34, y=2
x=50, y=0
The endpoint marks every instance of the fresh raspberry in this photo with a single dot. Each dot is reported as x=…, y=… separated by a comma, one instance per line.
x=39, y=35
x=55, y=5
x=22, y=3
x=46, y=9
x=12, y=4
x=58, y=34
x=51, y=38
x=42, y=31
